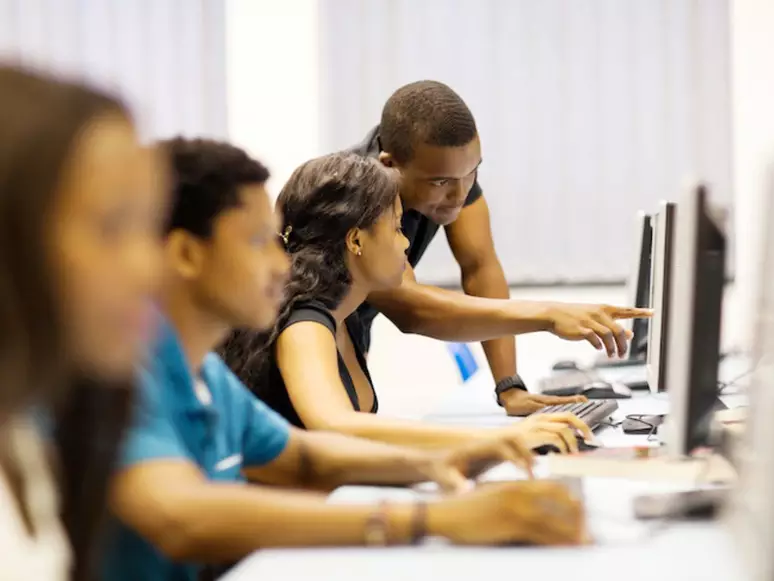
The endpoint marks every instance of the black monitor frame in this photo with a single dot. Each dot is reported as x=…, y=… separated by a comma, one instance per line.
x=639, y=291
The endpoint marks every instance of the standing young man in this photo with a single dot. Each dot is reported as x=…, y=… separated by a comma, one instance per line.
x=181, y=495
x=429, y=134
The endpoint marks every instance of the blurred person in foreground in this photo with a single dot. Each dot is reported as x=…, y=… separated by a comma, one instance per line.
x=341, y=223
x=210, y=473
x=429, y=135
x=79, y=222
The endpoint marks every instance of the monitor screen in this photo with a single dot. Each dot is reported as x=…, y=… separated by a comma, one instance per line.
x=639, y=285
x=693, y=341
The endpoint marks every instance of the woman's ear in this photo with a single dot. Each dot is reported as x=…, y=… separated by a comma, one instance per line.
x=184, y=254
x=386, y=159
x=354, y=241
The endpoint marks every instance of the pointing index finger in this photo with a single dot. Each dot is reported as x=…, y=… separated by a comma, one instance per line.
x=629, y=313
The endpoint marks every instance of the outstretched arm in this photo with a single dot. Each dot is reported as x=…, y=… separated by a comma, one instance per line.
x=452, y=316
x=188, y=517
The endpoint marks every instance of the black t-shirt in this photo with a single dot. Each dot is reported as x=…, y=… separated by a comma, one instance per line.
x=419, y=230
x=277, y=396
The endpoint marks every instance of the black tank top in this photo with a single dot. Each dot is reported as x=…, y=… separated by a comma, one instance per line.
x=276, y=395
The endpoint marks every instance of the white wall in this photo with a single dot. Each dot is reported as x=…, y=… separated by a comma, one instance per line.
x=752, y=49
x=164, y=57
x=588, y=110
x=272, y=72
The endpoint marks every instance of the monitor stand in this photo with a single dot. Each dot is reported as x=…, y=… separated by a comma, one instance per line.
x=691, y=504
x=605, y=362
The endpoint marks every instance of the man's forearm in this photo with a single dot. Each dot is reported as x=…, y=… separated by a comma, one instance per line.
x=453, y=316
x=330, y=460
x=224, y=522
x=489, y=282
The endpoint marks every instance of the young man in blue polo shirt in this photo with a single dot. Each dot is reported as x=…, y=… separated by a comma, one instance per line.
x=181, y=496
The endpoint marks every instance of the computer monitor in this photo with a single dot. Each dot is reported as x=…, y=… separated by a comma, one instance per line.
x=639, y=285
x=693, y=339
x=662, y=225
x=750, y=513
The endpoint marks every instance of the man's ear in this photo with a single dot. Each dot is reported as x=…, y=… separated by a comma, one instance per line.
x=386, y=159
x=185, y=254
x=354, y=241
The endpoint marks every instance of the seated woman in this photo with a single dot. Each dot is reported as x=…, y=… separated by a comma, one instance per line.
x=342, y=229
x=79, y=220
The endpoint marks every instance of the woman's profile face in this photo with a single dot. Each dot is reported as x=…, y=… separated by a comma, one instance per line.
x=384, y=248
x=105, y=246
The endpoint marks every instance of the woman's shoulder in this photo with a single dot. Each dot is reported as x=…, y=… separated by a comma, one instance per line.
x=312, y=310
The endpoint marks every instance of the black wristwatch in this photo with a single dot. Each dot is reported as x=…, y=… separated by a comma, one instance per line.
x=508, y=384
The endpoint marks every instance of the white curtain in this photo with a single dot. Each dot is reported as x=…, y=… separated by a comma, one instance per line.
x=164, y=57
x=588, y=110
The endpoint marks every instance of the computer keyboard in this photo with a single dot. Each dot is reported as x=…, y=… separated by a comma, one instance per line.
x=593, y=413
x=573, y=382
x=567, y=382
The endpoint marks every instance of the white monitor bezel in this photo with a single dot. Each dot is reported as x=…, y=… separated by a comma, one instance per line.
x=662, y=225
x=681, y=316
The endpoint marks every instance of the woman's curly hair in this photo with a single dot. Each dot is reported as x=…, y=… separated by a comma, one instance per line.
x=322, y=201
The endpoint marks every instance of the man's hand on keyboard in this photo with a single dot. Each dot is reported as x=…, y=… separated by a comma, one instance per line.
x=518, y=402
x=537, y=512
x=595, y=324
x=560, y=430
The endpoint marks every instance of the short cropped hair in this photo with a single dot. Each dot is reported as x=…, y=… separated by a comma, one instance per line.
x=206, y=177
x=424, y=112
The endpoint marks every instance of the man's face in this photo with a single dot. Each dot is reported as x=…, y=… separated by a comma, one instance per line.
x=243, y=267
x=437, y=180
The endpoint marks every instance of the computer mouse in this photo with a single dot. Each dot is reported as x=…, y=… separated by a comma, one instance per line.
x=584, y=446
x=605, y=390
x=641, y=424
x=545, y=449
x=565, y=365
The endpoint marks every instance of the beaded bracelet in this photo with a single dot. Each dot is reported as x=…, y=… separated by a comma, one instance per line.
x=376, y=527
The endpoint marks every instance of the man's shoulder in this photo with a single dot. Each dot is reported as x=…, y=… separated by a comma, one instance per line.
x=228, y=391
x=369, y=146
x=218, y=375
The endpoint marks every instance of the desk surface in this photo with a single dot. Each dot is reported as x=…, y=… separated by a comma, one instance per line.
x=624, y=549
x=708, y=556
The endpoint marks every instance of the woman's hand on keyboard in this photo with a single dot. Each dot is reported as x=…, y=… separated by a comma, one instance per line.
x=537, y=512
x=560, y=430
x=454, y=467
x=518, y=402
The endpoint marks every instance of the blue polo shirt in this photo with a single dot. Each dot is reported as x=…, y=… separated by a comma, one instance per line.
x=221, y=432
